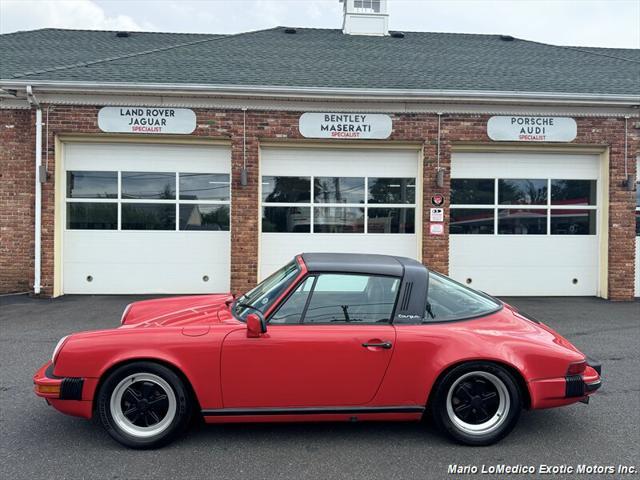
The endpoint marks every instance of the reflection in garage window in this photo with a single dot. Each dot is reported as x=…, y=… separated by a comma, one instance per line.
x=472, y=191
x=573, y=192
x=392, y=190
x=148, y=216
x=92, y=216
x=149, y=185
x=520, y=221
x=474, y=221
x=522, y=192
x=338, y=220
x=81, y=184
x=391, y=220
x=286, y=219
x=286, y=189
x=198, y=216
x=204, y=186
x=338, y=190
x=573, y=222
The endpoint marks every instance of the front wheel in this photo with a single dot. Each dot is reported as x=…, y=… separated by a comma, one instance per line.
x=477, y=403
x=144, y=405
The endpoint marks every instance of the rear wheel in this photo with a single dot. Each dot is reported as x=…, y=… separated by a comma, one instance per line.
x=477, y=403
x=144, y=405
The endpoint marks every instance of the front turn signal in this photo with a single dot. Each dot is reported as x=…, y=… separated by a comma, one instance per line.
x=48, y=389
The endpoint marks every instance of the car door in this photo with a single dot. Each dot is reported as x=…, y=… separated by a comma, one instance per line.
x=328, y=344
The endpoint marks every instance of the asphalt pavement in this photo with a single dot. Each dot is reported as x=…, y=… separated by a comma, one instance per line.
x=38, y=442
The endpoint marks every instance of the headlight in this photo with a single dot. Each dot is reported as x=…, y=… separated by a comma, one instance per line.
x=125, y=313
x=56, y=350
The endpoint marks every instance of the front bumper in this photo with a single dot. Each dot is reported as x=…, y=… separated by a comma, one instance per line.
x=50, y=386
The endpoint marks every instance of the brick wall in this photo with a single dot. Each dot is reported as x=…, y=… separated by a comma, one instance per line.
x=276, y=125
x=17, y=177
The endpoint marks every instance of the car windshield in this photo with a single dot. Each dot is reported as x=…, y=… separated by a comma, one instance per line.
x=449, y=300
x=266, y=292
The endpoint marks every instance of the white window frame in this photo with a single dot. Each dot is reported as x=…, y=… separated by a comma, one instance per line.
x=311, y=204
x=120, y=201
x=547, y=207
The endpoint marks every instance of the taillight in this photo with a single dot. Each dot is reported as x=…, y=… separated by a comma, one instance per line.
x=577, y=368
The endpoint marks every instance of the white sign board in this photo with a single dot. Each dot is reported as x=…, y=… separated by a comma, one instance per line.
x=436, y=228
x=436, y=215
x=147, y=120
x=532, y=129
x=345, y=125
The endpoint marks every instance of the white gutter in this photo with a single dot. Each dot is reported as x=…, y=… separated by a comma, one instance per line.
x=323, y=93
x=38, y=193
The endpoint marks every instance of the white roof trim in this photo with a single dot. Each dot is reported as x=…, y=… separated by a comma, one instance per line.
x=321, y=93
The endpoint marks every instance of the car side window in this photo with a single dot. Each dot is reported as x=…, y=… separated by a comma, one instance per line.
x=343, y=298
x=448, y=300
x=293, y=307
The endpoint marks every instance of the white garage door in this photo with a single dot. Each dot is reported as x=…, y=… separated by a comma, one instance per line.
x=145, y=218
x=338, y=200
x=526, y=224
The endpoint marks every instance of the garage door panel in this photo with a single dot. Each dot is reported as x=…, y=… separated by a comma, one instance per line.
x=136, y=157
x=333, y=161
x=491, y=279
x=535, y=236
x=279, y=248
x=523, y=165
x=526, y=266
x=141, y=278
x=351, y=200
x=167, y=232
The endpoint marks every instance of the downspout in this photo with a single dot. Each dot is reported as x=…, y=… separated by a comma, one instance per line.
x=39, y=178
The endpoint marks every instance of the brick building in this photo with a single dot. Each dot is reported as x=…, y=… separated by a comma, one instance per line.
x=182, y=163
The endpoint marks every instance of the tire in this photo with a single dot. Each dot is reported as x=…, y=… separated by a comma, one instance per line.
x=144, y=405
x=477, y=403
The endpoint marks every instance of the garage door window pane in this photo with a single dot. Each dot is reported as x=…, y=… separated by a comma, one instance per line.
x=352, y=298
x=573, y=192
x=473, y=221
x=472, y=191
x=338, y=190
x=286, y=219
x=338, y=220
x=204, y=217
x=156, y=185
x=391, y=220
x=92, y=184
x=573, y=222
x=148, y=216
x=286, y=189
x=204, y=186
x=92, y=216
x=518, y=221
x=392, y=190
x=522, y=192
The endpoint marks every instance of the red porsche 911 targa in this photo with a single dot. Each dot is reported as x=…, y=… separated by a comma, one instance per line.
x=328, y=337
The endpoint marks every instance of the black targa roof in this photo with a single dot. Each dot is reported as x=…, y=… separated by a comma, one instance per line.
x=358, y=263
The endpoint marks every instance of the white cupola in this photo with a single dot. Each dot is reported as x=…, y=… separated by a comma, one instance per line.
x=365, y=17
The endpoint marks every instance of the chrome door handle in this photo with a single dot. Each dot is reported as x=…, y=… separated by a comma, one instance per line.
x=385, y=345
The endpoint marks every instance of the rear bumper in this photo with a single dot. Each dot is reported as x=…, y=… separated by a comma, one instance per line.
x=63, y=393
x=555, y=392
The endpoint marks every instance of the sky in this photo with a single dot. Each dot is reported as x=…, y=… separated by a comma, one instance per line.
x=597, y=23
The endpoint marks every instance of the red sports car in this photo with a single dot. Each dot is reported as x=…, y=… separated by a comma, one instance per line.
x=335, y=337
